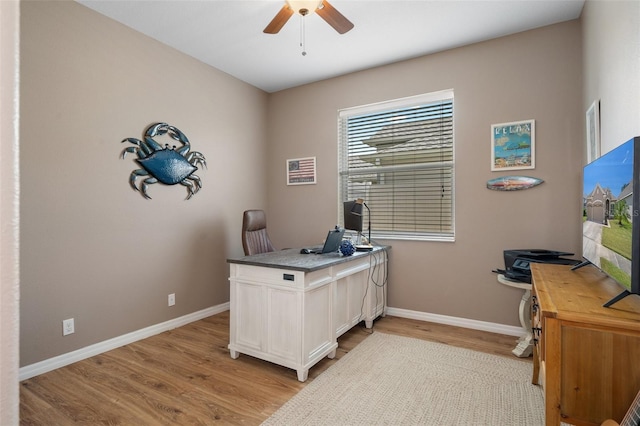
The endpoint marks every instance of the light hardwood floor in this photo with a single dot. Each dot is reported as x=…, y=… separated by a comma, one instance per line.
x=186, y=377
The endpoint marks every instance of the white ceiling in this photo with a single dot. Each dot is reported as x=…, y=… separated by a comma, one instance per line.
x=227, y=34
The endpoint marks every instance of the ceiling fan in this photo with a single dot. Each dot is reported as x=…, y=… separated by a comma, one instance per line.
x=321, y=7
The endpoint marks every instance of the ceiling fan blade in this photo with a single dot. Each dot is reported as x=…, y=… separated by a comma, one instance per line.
x=334, y=18
x=279, y=20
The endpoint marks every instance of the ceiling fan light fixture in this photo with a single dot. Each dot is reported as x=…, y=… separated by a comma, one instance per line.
x=304, y=7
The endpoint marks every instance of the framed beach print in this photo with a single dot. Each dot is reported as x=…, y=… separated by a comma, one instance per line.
x=593, y=131
x=301, y=171
x=513, y=146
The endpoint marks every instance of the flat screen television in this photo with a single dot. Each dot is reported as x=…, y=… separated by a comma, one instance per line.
x=610, y=216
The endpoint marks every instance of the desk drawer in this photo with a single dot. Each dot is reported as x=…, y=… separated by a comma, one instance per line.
x=280, y=277
x=267, y=275
x=350, y=268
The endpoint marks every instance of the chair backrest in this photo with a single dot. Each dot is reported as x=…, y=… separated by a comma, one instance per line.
x=254, y=233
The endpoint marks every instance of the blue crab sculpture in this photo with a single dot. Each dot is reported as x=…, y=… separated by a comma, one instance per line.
x=166, y=164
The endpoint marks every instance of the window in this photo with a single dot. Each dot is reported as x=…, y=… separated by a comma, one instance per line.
x=398, y=157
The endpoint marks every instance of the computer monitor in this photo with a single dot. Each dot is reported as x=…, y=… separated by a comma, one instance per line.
x=352, y=220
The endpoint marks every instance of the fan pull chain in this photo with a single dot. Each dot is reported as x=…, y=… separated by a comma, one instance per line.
x=303, y=42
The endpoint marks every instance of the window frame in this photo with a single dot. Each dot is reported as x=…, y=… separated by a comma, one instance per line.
x=344, y=171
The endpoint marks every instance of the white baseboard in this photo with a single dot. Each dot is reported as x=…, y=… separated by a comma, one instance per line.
x=50, y=364
x=509, y=330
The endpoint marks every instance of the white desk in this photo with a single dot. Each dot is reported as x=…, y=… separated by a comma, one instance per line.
x=290, y=308
x=525, y=343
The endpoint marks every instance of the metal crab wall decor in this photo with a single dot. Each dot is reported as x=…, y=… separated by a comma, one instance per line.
x=166, y=164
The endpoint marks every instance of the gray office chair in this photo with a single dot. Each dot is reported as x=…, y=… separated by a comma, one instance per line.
x=254, y=233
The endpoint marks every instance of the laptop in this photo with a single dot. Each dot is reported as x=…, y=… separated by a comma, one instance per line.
x=331, y=243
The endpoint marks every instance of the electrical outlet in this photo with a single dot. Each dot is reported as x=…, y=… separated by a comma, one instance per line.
x=68, y=327
x=172, y=299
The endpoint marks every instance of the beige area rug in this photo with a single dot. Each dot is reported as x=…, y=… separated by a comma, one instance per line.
x=394, y=380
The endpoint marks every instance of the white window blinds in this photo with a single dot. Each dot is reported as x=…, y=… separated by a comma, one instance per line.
x=398, y=156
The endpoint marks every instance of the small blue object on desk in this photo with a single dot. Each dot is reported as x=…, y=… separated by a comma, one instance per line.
x=347, y=248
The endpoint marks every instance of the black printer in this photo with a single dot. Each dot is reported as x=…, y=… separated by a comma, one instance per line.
x=517, y=262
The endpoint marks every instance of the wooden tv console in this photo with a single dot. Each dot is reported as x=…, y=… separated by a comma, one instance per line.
x=586, y=357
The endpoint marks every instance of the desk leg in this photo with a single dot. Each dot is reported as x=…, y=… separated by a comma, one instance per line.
x=303, y=374
x=525, y=345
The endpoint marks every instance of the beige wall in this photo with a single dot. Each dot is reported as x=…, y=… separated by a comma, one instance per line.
x=532, y=75
x=92, y=248
x=611, y=43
